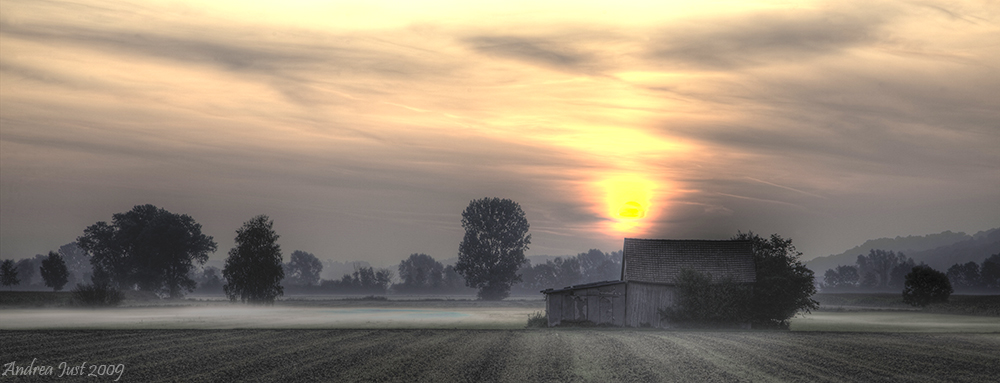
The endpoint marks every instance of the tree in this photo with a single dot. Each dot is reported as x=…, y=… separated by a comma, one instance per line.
x=303, y=269
x=209, y=280
x=364, y=280
x=54, y=271
x=567, y=271
x=253, y=270
x=453, y=282
x=27, y=267
x=843, y=277
x=77, y=262
x=147, y=248
x=925, y=285
x=965, y=276
x=420, y=272
x=869, y=280
x=784, y=285
x=496, y=236
x=596, y=266
x=8, y=274
x=535, y=278
x=880, y=264
x=897, y=277
x=989, y=273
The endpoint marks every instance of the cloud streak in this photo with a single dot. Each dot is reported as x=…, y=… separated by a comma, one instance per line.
x=772, y=120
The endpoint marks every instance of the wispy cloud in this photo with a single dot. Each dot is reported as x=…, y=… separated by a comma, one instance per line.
x=761, y=39
x=771, y=119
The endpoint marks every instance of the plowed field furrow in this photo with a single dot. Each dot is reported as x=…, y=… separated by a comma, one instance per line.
x=89, y=346
x=604, y=356
x=916, y=356
x=339, y=359
x=418, y=359
x=320, y=356
x=491, y=350
x=279, y=352
x=736, y=367
x=771, y=355
x=678, y=361
x=393, y=356
x=542, y=357
x=509, y=356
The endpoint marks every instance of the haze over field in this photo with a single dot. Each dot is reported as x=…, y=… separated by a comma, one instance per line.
x=364, y=129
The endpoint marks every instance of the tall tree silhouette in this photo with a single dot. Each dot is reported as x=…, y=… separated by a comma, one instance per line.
x=54, y=271
x=496, y=236
x=253, y=269
x=8, y=274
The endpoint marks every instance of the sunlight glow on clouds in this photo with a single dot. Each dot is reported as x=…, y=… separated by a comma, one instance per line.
x=630, y=200
x=350, y=122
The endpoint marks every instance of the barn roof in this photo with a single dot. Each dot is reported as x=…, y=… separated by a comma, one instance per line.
x=582, y=286
x=660, y=260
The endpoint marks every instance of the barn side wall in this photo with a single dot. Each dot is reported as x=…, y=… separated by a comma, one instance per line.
x=604, y=305
x=553, y=308
x=643, y=303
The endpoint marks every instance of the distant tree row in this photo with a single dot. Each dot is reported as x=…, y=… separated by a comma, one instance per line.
x=972, y=277
x=591, y=266
x=365, y=280
x=880, y=270
x=151, y=249
x=886, y=271
x=29, y=275
x=421, y=274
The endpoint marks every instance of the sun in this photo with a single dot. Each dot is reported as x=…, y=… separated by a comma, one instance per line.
x=632, y=209
x=628, y=201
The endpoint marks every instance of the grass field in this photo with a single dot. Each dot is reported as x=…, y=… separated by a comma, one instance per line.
x=509, y=355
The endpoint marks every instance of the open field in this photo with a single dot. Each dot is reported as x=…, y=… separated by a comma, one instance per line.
x=225, y=316
x=894, y=321
x=558, y=355
x=325, y=313
x=466, y=340
x=986, y=305
x=423, y=315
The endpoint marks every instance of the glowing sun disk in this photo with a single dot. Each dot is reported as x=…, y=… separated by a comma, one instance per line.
x=627, y=200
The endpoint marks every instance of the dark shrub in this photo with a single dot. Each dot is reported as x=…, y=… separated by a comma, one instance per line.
x=700, y=302
x=925, y=285
x=538, y=319
x=97, y=294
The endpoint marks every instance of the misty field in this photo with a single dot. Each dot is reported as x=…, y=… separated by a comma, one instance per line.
x=470, y=315
x=562, y=355
x=467, y=340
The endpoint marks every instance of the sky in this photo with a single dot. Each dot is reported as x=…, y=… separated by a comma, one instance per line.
x=364, y=129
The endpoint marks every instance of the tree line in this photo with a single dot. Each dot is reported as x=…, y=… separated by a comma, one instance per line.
x=886, y=271
x=27, y=272
x=151, y=249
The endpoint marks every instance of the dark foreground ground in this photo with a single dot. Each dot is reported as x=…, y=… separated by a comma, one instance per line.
x=558, y=355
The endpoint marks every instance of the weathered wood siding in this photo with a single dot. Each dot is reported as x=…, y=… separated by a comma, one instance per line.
x=598, y=305
x=643, y=304
x=553, y=305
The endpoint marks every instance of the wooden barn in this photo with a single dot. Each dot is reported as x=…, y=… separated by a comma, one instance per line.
x=649, y=267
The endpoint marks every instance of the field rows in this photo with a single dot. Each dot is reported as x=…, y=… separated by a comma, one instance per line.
x=513, y=356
